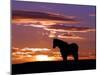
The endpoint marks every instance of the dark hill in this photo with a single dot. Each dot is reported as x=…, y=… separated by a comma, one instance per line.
x=53, y=66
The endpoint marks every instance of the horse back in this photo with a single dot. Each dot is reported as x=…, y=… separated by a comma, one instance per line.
x=74, y=46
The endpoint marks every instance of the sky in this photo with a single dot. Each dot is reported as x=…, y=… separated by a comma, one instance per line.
x=34, y=25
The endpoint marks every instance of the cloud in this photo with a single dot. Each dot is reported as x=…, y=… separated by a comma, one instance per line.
x=40, y=21
x=52, y=22
x=36, y=49
x=36, y=25
x=70, y=37
x=43, y=15
x=62, y=28
x=28, y=55
x=63, y=16
x=67, y=35
x=65, y=28
x=15, y=49
x=68, y=30
x=22, y=21
x=52, y=34
x=34, y=54
x=43, y=18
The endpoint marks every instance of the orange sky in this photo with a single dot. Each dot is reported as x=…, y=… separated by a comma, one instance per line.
x=32, y=36
x=45, y=54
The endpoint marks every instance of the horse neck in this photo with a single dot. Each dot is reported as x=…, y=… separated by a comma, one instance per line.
x=63, y=44
x=60, y=44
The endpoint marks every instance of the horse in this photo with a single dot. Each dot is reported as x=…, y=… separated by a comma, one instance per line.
x=66, y=49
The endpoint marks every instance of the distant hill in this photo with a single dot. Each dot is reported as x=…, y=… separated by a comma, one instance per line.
x=53, y=66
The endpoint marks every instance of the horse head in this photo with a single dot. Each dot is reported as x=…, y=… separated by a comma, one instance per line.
x=54, y=43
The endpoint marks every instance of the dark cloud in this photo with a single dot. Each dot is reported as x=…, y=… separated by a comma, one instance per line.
x=43, y=16
x=29, y=14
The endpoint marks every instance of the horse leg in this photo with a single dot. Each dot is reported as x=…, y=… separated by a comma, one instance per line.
x=75, y=56
x=64, y=56
x=64, y=59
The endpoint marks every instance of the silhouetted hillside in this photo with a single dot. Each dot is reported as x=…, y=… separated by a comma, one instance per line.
x=53, y=66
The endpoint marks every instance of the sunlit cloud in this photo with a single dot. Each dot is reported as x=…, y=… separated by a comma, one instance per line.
x=69, y=30
x=63, y=28
x=52, y=34
x=36, y=26
x=36, y=49
x=40, y=21
x=27, y=55
x=71, y=37
x=14, y=48
x=44, y=58
x=35, y=21
x=47, y=58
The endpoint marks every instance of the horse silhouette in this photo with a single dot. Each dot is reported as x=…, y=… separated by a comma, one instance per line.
x=66, y=49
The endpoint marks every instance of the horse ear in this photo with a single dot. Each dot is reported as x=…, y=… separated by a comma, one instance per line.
x=53, y=38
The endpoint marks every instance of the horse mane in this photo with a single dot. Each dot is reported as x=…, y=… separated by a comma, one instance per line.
x=58, y=40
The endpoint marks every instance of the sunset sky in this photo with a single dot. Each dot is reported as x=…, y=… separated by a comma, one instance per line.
x=34, y=25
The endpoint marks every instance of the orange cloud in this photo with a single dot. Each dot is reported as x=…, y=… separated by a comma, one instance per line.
x=31, y=55
x=52, y=34
x=70, y=37
x=63, y=28
x=40, y=21
x=36, y=49
x=43, y=18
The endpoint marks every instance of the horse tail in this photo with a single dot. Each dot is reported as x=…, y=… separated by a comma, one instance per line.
x=74, y=47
